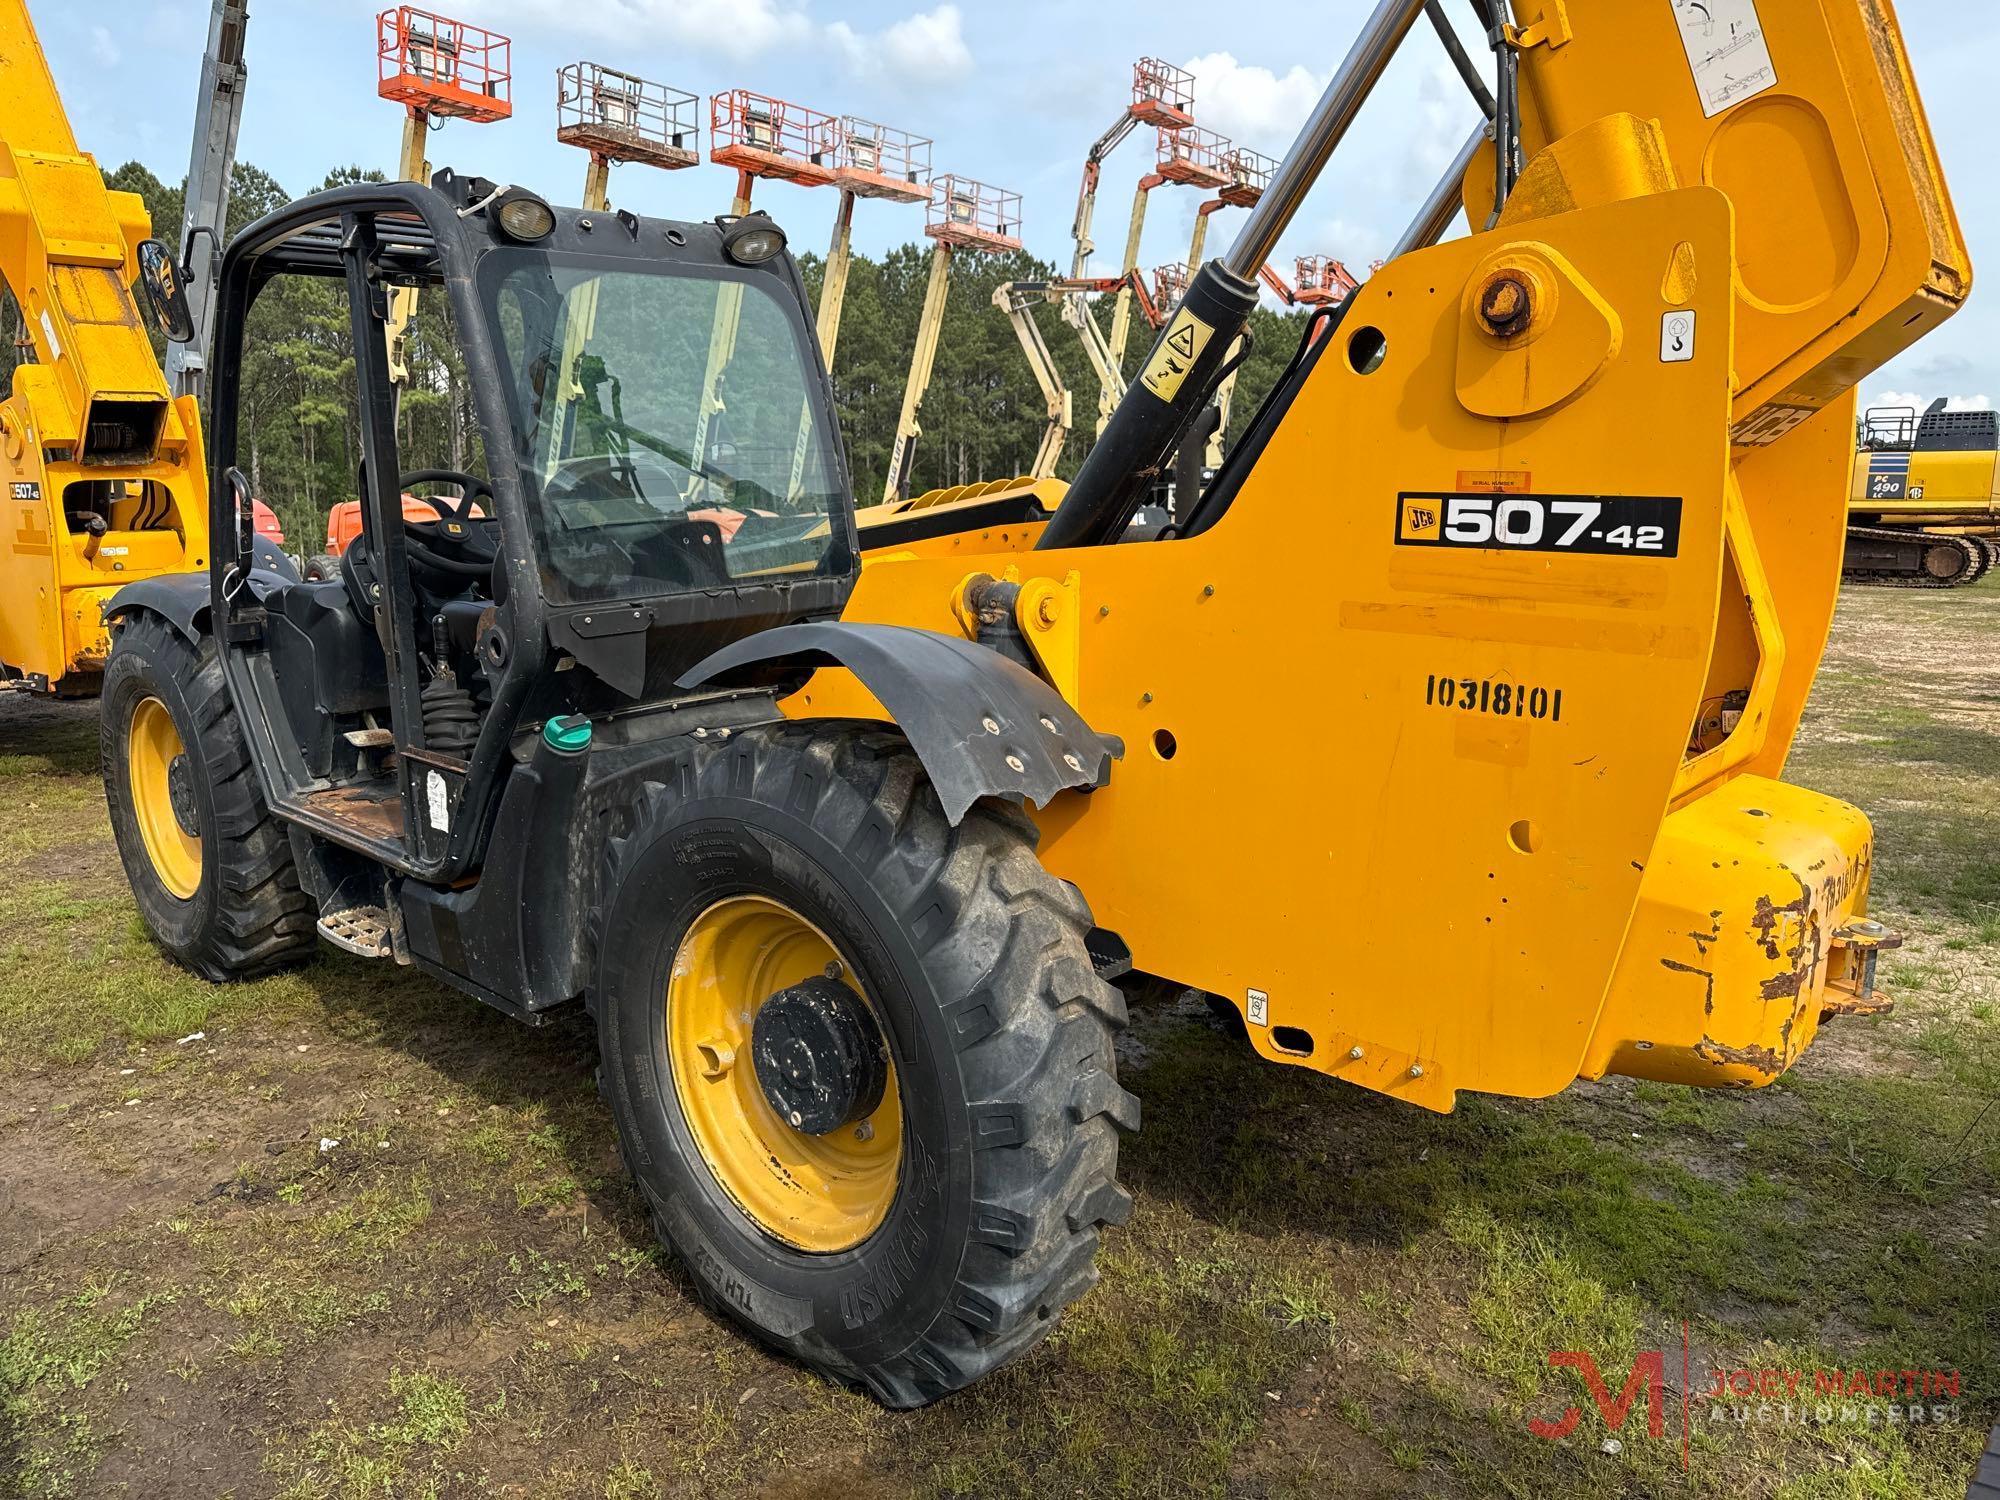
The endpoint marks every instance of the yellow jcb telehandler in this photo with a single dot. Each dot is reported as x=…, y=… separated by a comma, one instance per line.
x=1440, y=735
x=98, y=466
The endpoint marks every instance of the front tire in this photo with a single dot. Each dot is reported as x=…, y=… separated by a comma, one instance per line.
x=799, y=852
x=210, y=867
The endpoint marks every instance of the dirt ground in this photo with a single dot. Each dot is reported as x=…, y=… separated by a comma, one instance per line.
x=348, y=1234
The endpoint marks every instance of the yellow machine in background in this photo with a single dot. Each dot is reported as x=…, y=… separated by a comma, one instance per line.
x=1924, y=511
x=100, y=471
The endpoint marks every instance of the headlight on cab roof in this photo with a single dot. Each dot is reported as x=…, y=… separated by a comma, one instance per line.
x=523, y=216
x=752, y=240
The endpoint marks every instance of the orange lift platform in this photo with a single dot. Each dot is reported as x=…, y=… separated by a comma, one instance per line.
x=618, y=117
x=869, y=161
x=963, y=215
x=764, y=137
x=1318, y=281
x=438, y=69
x=442, y=68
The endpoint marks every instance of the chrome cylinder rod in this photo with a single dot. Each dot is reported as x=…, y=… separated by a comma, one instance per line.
x=1352, y=83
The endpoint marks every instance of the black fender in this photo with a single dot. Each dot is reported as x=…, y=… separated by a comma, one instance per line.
x=182, y=599
x=982, y=726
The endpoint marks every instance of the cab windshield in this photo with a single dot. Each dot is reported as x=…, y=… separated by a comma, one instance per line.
x=668, y=436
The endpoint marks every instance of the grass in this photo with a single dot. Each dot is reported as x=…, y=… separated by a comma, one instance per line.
x=1321, y=1291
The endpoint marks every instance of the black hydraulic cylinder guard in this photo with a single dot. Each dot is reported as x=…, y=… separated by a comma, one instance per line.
x=1146, y=429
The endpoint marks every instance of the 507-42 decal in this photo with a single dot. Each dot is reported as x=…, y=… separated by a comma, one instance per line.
x=1614, y=525
x=1512, y=700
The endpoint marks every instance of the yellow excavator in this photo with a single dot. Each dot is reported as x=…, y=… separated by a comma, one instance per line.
x=1924, y=511
x=1439, y=735
x=102, y=468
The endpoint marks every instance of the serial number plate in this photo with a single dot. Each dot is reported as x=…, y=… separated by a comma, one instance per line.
x=1512, y=700
x=1616, y=525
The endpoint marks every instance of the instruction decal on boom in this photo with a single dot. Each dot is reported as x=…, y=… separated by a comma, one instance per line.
x=1726, y=51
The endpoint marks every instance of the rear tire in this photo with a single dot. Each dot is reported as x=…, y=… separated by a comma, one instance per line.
x=243, y=914
x=999, y=1032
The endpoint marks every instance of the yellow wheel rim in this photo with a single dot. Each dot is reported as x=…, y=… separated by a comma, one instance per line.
x=815, y=1192
x=153, y=746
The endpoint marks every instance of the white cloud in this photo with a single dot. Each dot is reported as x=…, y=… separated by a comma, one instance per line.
x=735, y=29
x=1440, y=122
x=103, y=48
x=922, y=48
x=1911, y=399
x=1252, y=105
x=925, y=48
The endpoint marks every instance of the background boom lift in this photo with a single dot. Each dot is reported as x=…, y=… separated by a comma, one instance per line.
x=1018, y=298
x=870, y=161
x=438, y=69
x=1191, y=157
x=760, y=136
x=1249, y=174
x=964, y=215
x=1162, y=96
x=619, y=117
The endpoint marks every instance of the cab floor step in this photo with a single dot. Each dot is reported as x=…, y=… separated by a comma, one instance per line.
x=361, y=930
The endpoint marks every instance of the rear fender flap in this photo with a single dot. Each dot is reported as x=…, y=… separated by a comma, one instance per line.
x=982, y=726
x=181, y=599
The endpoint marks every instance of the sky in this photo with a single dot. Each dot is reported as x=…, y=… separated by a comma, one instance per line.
x=1012, y=93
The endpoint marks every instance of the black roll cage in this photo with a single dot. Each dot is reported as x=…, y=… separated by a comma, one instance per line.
x=375, y=236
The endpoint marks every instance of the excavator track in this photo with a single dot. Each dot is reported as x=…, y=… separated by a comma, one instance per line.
x=1932, y=554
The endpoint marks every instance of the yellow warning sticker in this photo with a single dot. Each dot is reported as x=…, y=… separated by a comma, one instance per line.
x=1175, y=355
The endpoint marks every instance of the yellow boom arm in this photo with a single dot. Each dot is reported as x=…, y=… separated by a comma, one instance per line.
x=98, y=468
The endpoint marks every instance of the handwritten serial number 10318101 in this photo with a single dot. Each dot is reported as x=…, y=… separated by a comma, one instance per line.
x=1512, y=700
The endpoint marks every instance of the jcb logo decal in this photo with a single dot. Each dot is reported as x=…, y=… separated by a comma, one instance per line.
x=1418, y=518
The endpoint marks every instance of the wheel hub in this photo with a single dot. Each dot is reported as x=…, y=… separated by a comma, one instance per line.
x=818, y=1056
x=180, y=796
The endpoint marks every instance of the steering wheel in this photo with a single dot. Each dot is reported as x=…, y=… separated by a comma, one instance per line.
x=455, y=523
x=607, y=475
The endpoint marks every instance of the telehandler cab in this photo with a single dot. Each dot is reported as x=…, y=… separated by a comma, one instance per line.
x=1462, y=688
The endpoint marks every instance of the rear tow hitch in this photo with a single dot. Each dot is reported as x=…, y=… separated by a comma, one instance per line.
x=1853, y=993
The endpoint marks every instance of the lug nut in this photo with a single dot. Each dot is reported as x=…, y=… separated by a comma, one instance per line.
x=864, y=1131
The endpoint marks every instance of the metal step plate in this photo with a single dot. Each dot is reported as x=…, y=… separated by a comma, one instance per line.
x=360, y=930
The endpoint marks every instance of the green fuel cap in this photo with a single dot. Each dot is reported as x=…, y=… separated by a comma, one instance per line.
x=569, y=734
